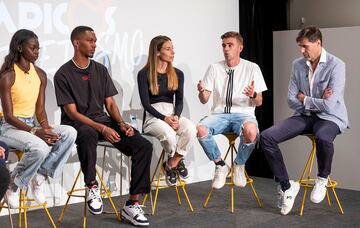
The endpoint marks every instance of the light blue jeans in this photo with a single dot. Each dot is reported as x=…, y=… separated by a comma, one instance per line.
x=226, y=123
x=38, y=155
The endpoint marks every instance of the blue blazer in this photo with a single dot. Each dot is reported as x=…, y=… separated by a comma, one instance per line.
x=330, y=73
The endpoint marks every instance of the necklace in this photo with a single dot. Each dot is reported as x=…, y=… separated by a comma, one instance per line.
x=23, y=69
x=81, y=68
x=26, y=73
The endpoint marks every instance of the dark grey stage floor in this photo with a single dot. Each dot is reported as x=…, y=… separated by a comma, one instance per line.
x=217, y=214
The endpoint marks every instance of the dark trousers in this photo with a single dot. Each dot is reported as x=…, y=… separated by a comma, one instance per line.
x=325, y=132
x=4, y=173
x=136, y=146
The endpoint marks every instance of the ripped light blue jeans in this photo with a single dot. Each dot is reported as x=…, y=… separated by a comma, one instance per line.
x=226, y=123
x=38, y=155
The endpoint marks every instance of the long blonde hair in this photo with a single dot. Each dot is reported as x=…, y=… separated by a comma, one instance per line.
x=152, y=64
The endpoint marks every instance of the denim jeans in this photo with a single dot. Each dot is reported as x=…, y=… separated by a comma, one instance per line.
x=39, y=157
x=226, y=123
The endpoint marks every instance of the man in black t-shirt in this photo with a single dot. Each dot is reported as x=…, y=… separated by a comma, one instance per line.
x=83, y=88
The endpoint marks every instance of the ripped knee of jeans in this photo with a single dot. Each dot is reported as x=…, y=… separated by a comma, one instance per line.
x=249, y=132
x=202, y=131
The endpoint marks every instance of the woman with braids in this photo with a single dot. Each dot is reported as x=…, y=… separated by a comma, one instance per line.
x=22, y=89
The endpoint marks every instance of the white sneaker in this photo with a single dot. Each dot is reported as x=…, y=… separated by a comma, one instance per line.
x=239, y=176
x=288, y=197
x=221, y=173
x=12, y=198
x=319, y=191
x=135, y=215
x=93, y=200
x=37, y=188
x=279, y=196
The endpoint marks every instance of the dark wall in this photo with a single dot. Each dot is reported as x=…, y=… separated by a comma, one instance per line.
x=258, y=20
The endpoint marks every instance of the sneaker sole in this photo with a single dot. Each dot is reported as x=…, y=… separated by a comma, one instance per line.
x=183, y=178
x=95, y=212
x=127, y=218
x=169, y=183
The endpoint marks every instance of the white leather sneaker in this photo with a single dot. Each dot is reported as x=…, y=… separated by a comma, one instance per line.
x=12, y=198
x=220, y=176
x=319, y=191
x=239, y=175
x=288, y=197
x=37, y=187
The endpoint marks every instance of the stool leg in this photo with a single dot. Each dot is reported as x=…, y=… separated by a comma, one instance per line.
x=336, y=197
x=337, y=200
x=177, y=194
x=120, y=174
x=232, y=198
x=48, y=214
x=69, y=196
x=108, y=194
x=328, y=197
x=153, y=176
x=308, y=168
x=25, y=209
x=303, y=201
x=253, y=190
x=84, y=213
x=208, y=197
x=232, y=176
x=156, y=194
x=157, y=185
x=187, y=198
x=10, y=216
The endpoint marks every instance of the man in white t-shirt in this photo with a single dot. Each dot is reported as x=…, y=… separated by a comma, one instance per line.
x=236, y=85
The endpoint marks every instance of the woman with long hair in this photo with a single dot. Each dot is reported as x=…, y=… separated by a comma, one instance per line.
x=161, y=89
x=22, y=90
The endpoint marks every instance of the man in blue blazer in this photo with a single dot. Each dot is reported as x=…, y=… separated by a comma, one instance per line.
x=316, y=93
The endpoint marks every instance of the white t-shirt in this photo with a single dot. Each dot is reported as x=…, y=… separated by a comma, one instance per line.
x=233, y=100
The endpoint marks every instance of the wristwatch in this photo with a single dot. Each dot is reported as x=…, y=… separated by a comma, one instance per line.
x=254, y=95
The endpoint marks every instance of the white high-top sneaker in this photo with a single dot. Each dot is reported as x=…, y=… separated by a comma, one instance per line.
x=37, y=187
x=239, y=175
x=220, y=176
x=12, y=197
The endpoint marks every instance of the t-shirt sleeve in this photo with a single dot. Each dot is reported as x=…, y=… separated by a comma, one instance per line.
x=62, y=90
x=209, y=78
x=110, y=89
x=259, y=82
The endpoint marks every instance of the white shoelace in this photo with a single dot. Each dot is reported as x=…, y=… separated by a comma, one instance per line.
x=94, y=194
x=138, y=209
x=319, y=184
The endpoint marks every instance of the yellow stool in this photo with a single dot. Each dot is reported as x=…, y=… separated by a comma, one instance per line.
x=23, y=199
x=156, y=183
x=308, y=182
x=232, y=137
x=104, y=192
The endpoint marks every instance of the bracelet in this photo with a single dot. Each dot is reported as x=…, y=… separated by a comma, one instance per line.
x=102, y=131
x=44, y=120
x=121, y=122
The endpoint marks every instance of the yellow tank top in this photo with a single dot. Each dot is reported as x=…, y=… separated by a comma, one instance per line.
x=25, y=91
